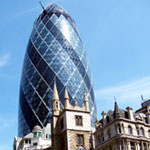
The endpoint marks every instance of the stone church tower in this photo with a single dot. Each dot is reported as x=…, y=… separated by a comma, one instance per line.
x=71, y=126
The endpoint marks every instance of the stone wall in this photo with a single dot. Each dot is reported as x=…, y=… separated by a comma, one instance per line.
x=72, y=140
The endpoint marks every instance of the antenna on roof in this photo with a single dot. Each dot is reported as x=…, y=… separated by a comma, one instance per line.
x=115, y=98
x=41, y=5
x=142, y=98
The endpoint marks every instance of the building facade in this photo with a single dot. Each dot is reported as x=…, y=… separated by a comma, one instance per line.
x=55, y=50
x=71, y=126
x=38, y=139
x=124, y=129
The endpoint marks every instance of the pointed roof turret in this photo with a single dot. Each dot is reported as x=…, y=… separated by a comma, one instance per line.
x=66, y=96
x=85, y=100
x=85, y=95
x=76, y=103
x=66, y=99
x=55, y=92
x=55, y=100
x=116, y=110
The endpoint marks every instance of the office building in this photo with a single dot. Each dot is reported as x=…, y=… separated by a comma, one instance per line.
x=55, y=51
x=124, y=129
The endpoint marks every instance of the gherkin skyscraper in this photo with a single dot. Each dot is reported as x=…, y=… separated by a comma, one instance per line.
x=55, y=51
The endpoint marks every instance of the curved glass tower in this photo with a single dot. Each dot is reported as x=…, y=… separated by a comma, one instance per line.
x=54, y=50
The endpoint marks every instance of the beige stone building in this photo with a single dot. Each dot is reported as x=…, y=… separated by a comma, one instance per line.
x=124, y=129
x=71, y=126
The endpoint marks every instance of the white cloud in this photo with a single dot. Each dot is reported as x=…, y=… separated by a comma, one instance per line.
x=126, y=92
x=4, y=59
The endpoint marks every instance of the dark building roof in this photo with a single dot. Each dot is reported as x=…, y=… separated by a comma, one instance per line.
x=116, y=110
x=54, y=8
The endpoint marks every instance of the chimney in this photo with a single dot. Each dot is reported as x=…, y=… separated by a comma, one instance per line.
x=130, y=113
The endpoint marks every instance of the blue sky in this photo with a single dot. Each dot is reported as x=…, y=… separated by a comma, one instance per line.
x=116, y=35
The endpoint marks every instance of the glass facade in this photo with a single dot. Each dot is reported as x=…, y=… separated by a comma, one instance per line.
x=54, y=50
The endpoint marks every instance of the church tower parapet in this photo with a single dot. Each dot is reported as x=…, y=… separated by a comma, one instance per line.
x=71, y=125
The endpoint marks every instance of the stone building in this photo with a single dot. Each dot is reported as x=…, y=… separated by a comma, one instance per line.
x=124, y=129
x=38, y=139
x=71, y=126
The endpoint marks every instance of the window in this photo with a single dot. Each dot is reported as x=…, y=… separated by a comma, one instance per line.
x=140, y=146
x=57, y=105
x=107, y=118
x=110, y=147
x=109, y=133
x=137, y=129
x=26, y=141
x=35, y=134
x=48, y=136
x=78, y=120
x=142, y=131
x=122, y=128
x=122, y=145
x=80, y=139
x=146, y=120
x=149, y=133
x=103, y=137
x=132, y=146
x=39, y=134
x=29, y=141
x=119, y=128
x=99, y=139
x=34, y=144
x=130, y=130
x=145, y=147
